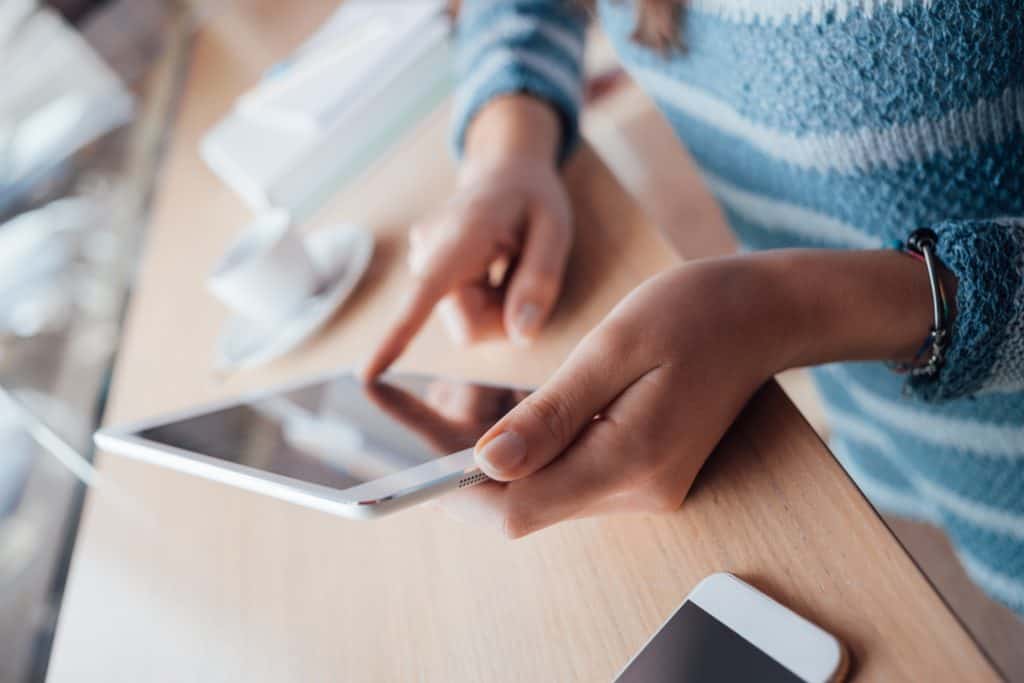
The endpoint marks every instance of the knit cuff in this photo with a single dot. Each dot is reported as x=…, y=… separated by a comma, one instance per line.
x=532, y=47
x=519, y=79
x=986, y=258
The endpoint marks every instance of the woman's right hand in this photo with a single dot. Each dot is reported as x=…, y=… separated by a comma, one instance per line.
x=510, y=212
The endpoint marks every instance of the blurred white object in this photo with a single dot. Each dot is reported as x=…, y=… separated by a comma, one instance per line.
x=348, y=63
x=33, y=233
x=33, y=310
x=267, y=273
x=58, y=96
x=37, y=250
x=340, y=254
x=13, y=14
x=322, y=116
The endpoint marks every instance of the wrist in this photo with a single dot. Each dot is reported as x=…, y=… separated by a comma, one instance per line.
x=832, y=305
x=513, y=127
x=735, y=305
x=760, y=312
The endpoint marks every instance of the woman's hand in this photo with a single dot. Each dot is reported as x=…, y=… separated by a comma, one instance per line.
x=629, y=419
x=493, y=257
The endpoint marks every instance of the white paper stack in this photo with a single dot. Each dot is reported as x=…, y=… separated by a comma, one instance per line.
x=374, y=69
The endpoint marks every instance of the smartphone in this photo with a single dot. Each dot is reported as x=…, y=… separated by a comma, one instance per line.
x=332, y=442
x=727, y=630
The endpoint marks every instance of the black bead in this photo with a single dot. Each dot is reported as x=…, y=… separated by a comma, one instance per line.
x=922, y=238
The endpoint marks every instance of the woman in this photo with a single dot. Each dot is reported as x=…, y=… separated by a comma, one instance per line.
x=827, y=129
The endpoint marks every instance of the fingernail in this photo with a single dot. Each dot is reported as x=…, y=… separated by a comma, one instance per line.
x=504, y=452
x=525, y=322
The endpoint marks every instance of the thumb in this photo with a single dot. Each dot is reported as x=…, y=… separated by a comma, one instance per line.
x=546, y=422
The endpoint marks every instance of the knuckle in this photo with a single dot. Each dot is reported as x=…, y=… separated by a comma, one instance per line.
x=613, y=342
x=475, y=213
x=553, y=414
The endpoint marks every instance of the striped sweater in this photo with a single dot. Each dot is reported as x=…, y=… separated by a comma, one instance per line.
x=846, y=124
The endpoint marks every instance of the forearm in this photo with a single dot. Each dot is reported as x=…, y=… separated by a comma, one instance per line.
x=822, y=306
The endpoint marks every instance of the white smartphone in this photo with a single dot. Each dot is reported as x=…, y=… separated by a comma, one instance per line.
x=727, y=630
x=331, y=443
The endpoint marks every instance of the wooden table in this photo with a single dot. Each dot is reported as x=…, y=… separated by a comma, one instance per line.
x=176, y=578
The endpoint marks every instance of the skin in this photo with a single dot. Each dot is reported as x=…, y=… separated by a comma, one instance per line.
x=629, y=419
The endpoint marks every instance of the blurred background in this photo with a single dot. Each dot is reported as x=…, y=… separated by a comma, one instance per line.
x=88, y=100
x=78, y=150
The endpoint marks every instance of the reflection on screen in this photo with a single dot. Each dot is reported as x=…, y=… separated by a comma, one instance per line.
x=340, y=433
x=694, y=646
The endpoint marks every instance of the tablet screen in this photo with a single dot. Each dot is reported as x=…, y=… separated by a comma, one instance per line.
x=340, y=433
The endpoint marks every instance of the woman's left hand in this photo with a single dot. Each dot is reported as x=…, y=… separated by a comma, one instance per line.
x=628, y=420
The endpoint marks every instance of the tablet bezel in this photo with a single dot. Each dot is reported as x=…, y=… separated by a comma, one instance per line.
x=369, y=499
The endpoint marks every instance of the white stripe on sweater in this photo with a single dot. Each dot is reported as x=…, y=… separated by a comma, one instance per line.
x=881, y=494
x=517, y=27
x=1007, y=588
x=500, y=59
x=981, y=515
x=773, y=12
x=852, y=427
x=779, y=216
x=965, y=434
x=858, y=151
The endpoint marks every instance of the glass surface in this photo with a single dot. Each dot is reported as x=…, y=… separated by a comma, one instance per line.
x=340, y=433
x=694, y=646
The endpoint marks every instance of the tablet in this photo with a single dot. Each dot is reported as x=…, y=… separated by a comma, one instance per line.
x=331, y=443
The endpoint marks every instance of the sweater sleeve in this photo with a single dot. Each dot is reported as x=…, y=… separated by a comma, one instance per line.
x=519, y=46
x=986, y=352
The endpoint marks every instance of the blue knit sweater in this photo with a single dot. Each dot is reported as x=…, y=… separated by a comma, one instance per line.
x=846, y=124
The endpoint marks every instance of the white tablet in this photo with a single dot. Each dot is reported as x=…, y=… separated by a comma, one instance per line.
x=331, y=443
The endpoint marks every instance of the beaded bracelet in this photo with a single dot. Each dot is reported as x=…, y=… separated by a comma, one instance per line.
x=921, y=246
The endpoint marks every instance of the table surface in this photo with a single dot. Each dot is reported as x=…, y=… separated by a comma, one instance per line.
x=176, y=578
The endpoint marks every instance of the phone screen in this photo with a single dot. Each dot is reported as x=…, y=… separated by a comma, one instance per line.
x=694, y=646
x=340, y=433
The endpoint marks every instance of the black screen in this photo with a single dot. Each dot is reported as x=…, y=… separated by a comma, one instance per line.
x=340, y=433
x=694, y=646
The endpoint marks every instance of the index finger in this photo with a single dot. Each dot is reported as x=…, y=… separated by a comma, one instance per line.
x=456, y=254
x=414, y=313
